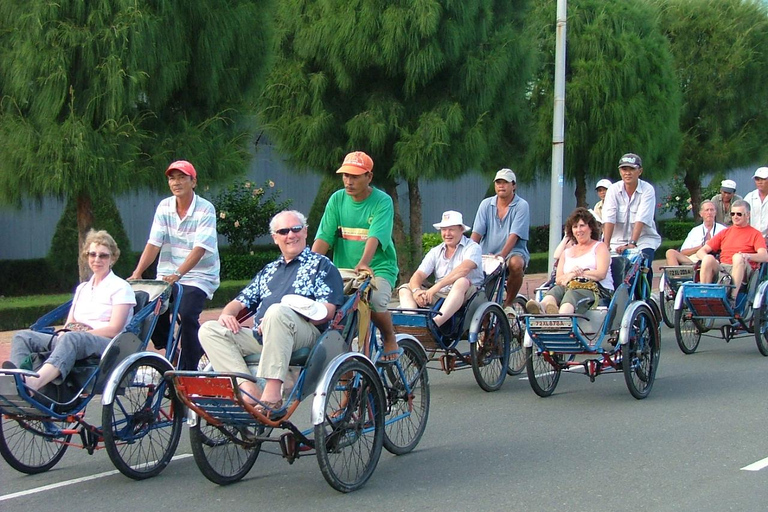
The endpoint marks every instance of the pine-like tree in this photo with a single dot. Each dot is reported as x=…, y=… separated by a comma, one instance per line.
x=99, y=96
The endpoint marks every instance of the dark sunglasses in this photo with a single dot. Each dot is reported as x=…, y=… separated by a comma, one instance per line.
x=737, y=214
x=285, y=231
x=99, y=255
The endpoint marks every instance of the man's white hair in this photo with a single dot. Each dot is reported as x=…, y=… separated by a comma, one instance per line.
x=297, y=214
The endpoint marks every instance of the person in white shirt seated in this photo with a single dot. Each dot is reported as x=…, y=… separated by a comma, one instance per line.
x=457, y=264
x=697, y=237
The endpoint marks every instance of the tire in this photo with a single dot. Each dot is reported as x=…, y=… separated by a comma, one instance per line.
x=687, y=331
x=221, y=453
x=142, y=425
x=516, y=348
x=640, y=355
x=31, y=446
x=761, y=326
x=542, y=375
x=408, y=406
x=349, y=439
x=667, y=306
x=490, y=353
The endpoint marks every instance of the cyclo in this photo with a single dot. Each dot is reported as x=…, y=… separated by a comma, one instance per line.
x=141, y=424
x=621, y=336
x=672, y=277
x=700, y=308
x=494, y=351
x=359, y=405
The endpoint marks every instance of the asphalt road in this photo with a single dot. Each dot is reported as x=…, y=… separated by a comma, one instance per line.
x=589, y=447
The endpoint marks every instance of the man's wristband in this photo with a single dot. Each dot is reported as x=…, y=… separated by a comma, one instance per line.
x=177, y=274
x=632, y=242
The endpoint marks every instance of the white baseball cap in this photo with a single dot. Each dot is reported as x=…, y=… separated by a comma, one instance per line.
x=728, y=186
x=603, y=183
x=761, y=172
x=506, y=175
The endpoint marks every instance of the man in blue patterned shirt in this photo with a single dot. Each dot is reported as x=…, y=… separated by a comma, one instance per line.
x=278, y=329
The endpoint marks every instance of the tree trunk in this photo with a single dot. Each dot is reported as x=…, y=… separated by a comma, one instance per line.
x=398, y=231
x=693, y=184
x=84, y=223
x=414, y=203
x=581, y=191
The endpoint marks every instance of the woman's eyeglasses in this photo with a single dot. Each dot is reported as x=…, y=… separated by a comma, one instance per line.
x=98, y=255
x=285, y=231
x=737, y=214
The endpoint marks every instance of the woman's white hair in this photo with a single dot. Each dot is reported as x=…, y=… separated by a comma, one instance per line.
x=295, y=213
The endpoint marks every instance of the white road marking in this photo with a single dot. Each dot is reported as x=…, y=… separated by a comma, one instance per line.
x=756, y=466
x=71, y=482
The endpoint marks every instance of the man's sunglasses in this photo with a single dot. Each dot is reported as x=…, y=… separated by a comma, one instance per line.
x=737, y=214
x=285, y=231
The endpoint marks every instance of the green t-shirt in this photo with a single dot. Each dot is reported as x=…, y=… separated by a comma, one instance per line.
x=346, y=226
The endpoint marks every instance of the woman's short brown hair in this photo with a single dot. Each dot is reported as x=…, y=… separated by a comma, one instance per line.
x=578, y=214
x=101, y=238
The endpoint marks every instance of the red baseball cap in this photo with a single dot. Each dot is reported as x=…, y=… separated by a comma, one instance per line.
x=356, y=163
x=183, y=166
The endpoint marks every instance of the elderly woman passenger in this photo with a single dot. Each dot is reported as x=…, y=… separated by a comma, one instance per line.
x=101, y=309
x=583, y=271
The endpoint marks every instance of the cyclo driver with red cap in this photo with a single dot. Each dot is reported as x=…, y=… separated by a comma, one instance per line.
x=184, y=235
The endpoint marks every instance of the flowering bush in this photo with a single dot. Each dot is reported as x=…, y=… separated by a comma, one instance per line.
x=679, y=199
x=244, y=211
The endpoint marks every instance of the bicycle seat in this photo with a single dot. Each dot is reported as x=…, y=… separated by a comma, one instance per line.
x=298, y=357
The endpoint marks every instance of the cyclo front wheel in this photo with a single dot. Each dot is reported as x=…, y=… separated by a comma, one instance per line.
x=640, y=355
x=31, y=446
x=516, y=349
x=349, y=439
x=490, y=353
x=542, y=374
x=142, y=425
x=406, y=386
x=687, y=331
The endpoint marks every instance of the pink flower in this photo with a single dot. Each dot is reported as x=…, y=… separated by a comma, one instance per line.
x=247, y=184
x=237, y=223
x=223, y=215
x=271, y=183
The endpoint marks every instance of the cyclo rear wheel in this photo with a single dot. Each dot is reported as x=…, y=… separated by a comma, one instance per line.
x=408, y=405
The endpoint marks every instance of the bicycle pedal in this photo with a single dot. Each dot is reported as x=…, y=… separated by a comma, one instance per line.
x=289, y=447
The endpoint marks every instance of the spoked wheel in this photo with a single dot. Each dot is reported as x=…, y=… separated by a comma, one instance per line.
x=687, y=332
x=32, y=446
x=761, y=326
x=142, y=425
x=349, y=439
x=542, y=375
x=408, y=405
x=516, y=348
x=640, y=355
x=667, y=305
x=225, y=454
x=490, y=353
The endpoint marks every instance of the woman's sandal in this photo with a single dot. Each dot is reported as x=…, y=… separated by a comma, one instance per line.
x=266, y=408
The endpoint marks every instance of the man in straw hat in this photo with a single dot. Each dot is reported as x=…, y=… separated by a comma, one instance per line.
x=457, y=265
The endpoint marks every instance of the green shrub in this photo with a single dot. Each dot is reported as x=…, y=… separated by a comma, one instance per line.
x=244, y=211
x=245, y=266
x=675, y=229
x=429, y=241
x=538, y=240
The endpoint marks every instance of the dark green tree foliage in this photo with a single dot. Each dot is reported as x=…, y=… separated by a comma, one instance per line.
x=621, y=94
x=429, y=88
x=721, y=56
x=99, y=96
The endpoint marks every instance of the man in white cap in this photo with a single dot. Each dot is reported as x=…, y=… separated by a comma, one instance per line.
x=601, y=188
x=184, y=234
x=628, y=211
x=697, y=237
x=458, y=267
x=758, y=201
x=280, y=326
x=724, y=200
x=501, y=227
